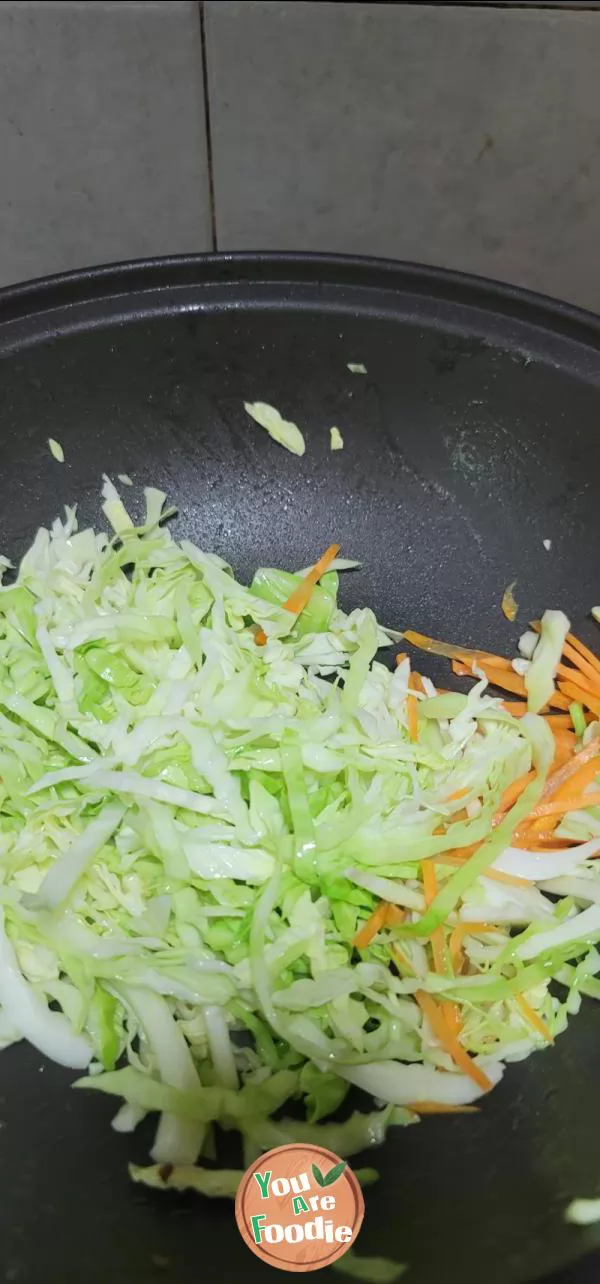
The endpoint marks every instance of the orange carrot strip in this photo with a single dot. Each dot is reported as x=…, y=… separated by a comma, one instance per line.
x=563, y=754
x=579, y=771
x=394, y=916
x=533, y=1019
x=438, y=942
x=557, y=779
x=449, y=1042
x=584, y=651
x=462, y=669
x=401, y=656
x=302, y=595
x=260, y=637
x=586, y=673
x=575, y=692
x=412, y=711
x=453, y=1018
x=580, y=779
x=458, y=793
x=513, y=792
x=518, y=708
x=591, y=685
x=370, y=929
x=558, y=806
x=571, y=653
x=533, y=840
x=438, y=1108
x=509, y=605
x=508, y=680
x=566, y=738
x=464, y=653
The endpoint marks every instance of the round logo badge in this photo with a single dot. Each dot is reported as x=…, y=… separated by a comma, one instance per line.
x=299, y=1207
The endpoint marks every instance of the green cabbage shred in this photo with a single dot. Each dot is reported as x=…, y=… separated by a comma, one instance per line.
x=194, y=828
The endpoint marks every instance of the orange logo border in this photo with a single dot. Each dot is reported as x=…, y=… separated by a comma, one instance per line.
x=304, y=1155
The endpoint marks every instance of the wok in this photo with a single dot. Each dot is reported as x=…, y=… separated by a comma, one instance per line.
x=473, y=437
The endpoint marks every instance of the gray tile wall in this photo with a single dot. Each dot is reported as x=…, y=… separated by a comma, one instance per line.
x=467, y=136
x=102, y=136
x=462, y=136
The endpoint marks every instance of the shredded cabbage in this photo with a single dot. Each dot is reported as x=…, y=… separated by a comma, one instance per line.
x=281, y=430
x=540, y=673
x=196, y=831
x=56, y=450
x=371, y=1270
x=583, y=1212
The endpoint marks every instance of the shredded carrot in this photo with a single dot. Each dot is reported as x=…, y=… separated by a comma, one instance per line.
x=558, y=806
x=574, y=692
x=394, y=916
x=558, y=721
x=513, y=792
x=440, y=1108
x=571, y=770
x=591, y=685
x=518, y=708
x=533, y=1019
x=540, y=840
x=438, y=941
x=570, y=652
x=412, y=711
x=499, y=675
x=584, y=651
x=372, y=926
x=565, y=739
x=578, y=653
x=449, y=1042
x=438, y=944
x=509, y=605
x=464, y=653
x=579, y=771
x=302, y=595
x=457, y=936
x=580, y=779
x=401, y=656
x=508, y=680
x=563, y=753
x=458, y=793
x=453, y=1018
x=456, y=818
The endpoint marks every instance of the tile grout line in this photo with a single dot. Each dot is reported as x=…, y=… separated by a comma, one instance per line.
x=553, y=6
x=208, y=130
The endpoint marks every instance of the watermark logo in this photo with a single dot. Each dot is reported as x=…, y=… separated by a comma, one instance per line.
x=299, y=1207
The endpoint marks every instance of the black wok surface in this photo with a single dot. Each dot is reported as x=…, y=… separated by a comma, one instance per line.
x=474, y=436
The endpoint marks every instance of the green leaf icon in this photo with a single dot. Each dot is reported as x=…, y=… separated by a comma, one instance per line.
x=318, y=1176
x=334, y=1173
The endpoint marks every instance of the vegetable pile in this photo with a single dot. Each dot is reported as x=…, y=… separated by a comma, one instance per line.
x=245, y=866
